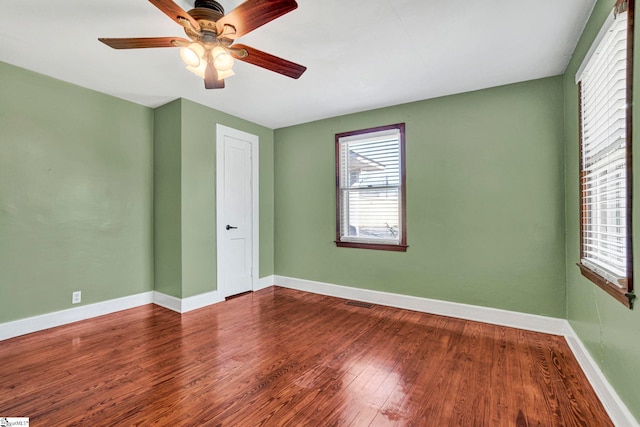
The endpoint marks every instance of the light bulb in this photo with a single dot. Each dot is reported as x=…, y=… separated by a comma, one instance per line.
x=222, y=60
x=217, y=51
x=199, y=70
x=189, y=57
x=191, y=54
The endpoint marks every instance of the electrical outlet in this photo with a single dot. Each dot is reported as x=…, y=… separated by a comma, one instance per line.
x=76, y=297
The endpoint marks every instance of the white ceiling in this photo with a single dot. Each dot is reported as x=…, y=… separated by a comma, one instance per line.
x=360, y=54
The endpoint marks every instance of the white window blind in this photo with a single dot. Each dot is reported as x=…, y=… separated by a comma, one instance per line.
x=369, y=186
x=604, y=178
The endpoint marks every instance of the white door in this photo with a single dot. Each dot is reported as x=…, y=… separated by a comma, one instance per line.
x=236, y=210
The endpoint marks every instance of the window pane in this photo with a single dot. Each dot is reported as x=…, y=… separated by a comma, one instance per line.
x=372, y=214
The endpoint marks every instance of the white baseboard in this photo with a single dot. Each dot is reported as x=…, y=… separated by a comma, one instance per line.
x=202, y=300
x=58, y=318
x=615, y=407
x=63, y=317
x=531, y=322
x=265, y=282
x=167, y=301
x=199, y=301
x=186, y=304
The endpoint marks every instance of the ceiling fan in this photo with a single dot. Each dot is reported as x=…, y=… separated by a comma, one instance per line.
x=210, y=50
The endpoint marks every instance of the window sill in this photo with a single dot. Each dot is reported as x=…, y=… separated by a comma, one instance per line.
x=374, y=246
x=621, y=295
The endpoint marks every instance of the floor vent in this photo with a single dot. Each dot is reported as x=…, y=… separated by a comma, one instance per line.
x=359, y=304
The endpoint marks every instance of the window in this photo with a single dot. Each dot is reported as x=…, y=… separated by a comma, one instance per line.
x=370, y=189
x=604, y=86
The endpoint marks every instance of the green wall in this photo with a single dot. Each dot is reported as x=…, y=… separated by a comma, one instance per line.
x=485, y=201
x=605, y=326
x=75, y=195
x=167, y=199
x=92, y=188
x=185, y=198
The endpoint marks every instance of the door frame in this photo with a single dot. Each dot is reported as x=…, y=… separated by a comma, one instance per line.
x=221, y=132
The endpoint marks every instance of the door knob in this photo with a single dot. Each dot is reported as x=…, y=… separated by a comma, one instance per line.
x=229, y=227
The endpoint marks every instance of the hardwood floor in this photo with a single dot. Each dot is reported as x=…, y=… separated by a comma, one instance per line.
x=284, y=357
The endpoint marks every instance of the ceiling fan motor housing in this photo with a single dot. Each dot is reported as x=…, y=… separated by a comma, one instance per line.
x=210, y=4
x=207, y=13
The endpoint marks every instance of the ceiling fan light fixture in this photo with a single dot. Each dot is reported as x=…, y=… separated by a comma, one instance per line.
x=208, y=51
x=192, y=54
x=222, y=60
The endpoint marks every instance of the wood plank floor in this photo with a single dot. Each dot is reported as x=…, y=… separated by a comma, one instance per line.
x=283, y=357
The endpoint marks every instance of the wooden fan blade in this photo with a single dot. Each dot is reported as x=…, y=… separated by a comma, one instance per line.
x=143, y=42
x=268, y=61
x=211, y=80
x=252, y=14
x=175, y=12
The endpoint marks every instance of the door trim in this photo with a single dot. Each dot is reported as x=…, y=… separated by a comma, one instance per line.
x=222, y=131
